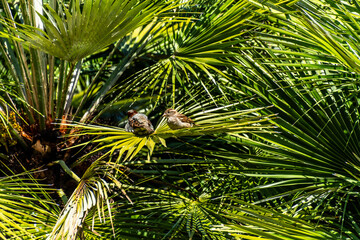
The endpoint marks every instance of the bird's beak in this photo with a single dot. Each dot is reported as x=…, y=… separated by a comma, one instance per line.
x=164, y=115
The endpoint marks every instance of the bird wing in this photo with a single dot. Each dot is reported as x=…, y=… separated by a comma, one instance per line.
x=132, y=122
x=184, y=118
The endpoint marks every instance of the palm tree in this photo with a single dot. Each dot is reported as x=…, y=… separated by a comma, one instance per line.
x=271, y=86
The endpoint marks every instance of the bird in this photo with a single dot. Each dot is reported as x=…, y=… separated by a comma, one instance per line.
x=138, y=123
x=177, y=120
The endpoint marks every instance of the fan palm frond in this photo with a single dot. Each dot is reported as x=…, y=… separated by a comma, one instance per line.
x=89, y=202
x=75, y=33
x=26, y=208
x=195, y=50
x=314, y=154
x=114, y=141
x=254, y=222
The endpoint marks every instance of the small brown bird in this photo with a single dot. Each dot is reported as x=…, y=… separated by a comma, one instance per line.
x=138, y=123
x=177, y=120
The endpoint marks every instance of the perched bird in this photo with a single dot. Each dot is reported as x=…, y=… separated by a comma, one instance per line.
x=138, y=123
x=177, y=120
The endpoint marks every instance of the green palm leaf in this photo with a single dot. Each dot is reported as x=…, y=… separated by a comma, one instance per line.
x=313, y=159
x=196, y=50
x=89, y=203
x=26, y=208
x=76, y=33
x=254, y=222
x=116, y=141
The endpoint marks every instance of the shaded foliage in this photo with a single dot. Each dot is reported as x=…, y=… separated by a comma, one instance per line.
x=272, y=88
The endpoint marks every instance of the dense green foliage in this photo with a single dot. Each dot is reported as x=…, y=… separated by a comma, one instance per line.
x=272, y=87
